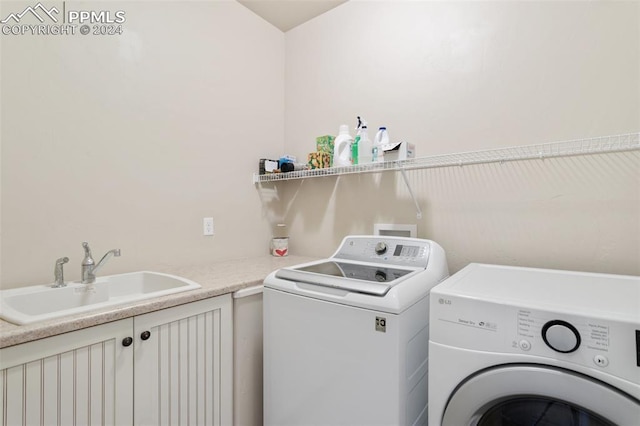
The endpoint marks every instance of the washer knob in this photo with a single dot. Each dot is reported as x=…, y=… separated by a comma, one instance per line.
x=381, y=248
x=381, y=276
x=561, y=336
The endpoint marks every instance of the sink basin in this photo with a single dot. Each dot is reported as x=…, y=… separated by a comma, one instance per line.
x=42, y=302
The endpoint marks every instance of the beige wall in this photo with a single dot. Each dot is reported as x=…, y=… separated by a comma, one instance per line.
x=129, y=140
x=462, y=76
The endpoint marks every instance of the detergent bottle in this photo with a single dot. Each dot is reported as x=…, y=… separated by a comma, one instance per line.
x=342, y=148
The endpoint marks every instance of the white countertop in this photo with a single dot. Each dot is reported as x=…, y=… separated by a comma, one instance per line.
x=216, y=278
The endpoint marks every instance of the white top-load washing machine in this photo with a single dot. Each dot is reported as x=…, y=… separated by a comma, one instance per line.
x=523, y=346
x=346, y=338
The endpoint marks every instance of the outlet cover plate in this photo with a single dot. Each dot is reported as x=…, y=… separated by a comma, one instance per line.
x=207, y=224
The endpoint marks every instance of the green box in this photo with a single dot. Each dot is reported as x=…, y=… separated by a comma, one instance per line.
x=325, y=144
x=318, y=160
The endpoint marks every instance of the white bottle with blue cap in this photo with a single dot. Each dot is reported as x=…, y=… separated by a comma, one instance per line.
x=379, y=142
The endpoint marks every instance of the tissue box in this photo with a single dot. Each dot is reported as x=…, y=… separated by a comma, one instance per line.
x=399, y=151
x=267, y=166
x=325, y=144
x=318, y=160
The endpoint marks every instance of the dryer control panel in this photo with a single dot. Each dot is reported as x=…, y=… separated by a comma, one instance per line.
x=562, y=334
x=534, y=335
x=638, y=348
x=565, y=318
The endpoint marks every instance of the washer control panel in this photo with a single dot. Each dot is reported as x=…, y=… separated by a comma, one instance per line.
x=383, y=249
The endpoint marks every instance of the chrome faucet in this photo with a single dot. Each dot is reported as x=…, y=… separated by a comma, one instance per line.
x=58, y=273
x=90, y=267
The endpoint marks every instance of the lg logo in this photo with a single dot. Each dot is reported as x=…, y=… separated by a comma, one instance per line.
x=444, y=301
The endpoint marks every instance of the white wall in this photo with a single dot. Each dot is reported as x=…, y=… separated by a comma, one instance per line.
x=460, y=76
x=129, y=140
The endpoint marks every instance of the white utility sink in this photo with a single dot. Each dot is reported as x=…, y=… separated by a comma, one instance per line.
x=42, y=302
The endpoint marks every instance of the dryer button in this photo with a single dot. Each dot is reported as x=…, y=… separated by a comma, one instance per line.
x=525, y=345
x=601, y=360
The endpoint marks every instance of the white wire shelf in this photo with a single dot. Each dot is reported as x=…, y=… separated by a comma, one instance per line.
x=599, y=145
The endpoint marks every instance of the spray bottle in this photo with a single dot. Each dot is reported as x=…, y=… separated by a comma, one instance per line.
x=354, y=145
x=361, y=149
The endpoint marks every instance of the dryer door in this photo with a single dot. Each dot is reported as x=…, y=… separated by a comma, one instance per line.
x=538, y=395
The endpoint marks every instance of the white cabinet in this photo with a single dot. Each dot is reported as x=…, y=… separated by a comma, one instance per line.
x=83, y=377
x=183, y=366
x=177, y=370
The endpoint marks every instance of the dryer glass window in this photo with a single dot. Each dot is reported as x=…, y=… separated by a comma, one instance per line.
x=541, y=412
x=638, y=348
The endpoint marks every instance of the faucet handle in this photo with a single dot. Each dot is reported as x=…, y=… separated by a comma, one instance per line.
x=88, y=259
x=58, y=272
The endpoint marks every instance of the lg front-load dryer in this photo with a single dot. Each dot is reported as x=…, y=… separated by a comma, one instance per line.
x=520, y=346
x=346, y=338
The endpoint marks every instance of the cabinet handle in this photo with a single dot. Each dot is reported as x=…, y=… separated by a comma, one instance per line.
x=127, y=341
x=145, y=335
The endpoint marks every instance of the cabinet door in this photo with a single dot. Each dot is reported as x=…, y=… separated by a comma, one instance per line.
x=183, y=364
x=83, y=377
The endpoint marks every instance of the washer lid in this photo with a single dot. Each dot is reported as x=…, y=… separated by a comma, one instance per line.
x=357, y=277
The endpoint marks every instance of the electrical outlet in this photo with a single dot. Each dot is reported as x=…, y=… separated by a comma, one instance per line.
x=208, y=226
